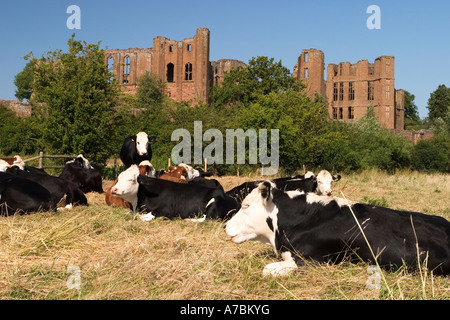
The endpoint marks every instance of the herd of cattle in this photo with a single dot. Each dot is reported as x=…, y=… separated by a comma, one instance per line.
x=297, y=215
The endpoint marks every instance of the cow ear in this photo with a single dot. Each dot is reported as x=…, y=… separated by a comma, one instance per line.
x=265, y=190
x=336, y=177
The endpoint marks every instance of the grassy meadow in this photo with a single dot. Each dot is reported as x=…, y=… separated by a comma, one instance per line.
x=121, y=257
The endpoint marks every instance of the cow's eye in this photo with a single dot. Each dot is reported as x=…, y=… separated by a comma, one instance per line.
x=245, y=206
x=319, y=182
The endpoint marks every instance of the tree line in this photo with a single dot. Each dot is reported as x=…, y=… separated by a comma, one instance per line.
x=77, y=107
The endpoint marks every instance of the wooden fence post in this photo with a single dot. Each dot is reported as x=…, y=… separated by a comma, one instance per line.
x=41, y=156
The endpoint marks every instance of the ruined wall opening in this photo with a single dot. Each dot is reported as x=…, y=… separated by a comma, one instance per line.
x=188, y=72
x=110, y=67
x=170, y=69
x=126, y=69
x=370, y=91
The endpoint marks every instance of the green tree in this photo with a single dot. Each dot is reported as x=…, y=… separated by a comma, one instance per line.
x=412, y=119
x=304, y=130
x=24, y=81
x=428, y=157
x=74, y=99
x=150, y=91
x=260, y=77
x=439, y=104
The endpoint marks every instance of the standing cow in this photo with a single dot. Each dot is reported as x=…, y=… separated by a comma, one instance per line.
x=136, y=149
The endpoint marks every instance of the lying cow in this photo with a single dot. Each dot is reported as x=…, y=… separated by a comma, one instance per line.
x=307, y=183
x=23, y=196
x=64, y=193
x=165, y=198
x=146, y=169
x=323, y=229
x=82, y=174
x=136, y=148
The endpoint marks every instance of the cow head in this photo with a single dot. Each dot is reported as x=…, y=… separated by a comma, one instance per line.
x=127, y=185
x=147, y=169
x=142, y=143
x=4, y=165
x=324, y=182
x=191, y=173
x=18, y=162
x=257, y=218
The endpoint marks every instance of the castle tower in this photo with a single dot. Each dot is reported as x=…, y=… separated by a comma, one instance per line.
x=310, y=69
x=352, y=88
x=184, y=65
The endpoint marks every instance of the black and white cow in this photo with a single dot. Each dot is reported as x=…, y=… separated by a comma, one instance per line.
x=23, y=196
x=59, y=188
x=162, y=198
x=323, y=229
x=136, y=148
x=82, y=174
x=307, y=183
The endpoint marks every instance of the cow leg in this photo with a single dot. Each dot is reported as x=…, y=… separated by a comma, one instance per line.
x=199, y=219
x=281, y=269
x=147, y=217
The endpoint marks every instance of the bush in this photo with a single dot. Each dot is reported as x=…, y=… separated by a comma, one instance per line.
x=428, y=157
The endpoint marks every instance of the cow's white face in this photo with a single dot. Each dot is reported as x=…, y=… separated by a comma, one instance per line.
x=4, y=165
x=18, y=162
x=324, y=182
x=251, y=222
x=127, y=185
x=142, y=143
x=191, y=173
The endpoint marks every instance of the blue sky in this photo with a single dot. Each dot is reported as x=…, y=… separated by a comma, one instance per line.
x=417, y=33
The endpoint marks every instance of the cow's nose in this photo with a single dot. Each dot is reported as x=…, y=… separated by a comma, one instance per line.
x=114, y=190
x=328, y=192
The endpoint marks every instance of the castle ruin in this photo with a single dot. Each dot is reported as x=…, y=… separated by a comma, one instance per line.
x=351, y=88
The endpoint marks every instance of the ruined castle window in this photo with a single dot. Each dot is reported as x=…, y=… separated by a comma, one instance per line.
x=171, y=48
x=126, y=69
x=110, y=66
x=188, y=72
x=334, y=113
x=189, y=47
x=306, y=73
x=170, y=69
x=351, y=91
x=341, y=113
x=335, y=91
x=306, y=56
x=351, y=112
x=341, y=91
x=370, y=90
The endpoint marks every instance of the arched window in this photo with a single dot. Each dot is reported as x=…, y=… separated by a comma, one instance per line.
x=126, y=69
x=188, y=71
x=170, y=69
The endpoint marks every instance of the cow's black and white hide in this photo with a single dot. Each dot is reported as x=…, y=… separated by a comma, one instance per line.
x=308, y=227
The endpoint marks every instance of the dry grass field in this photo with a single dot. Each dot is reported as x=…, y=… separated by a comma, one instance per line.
x=118, y=256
